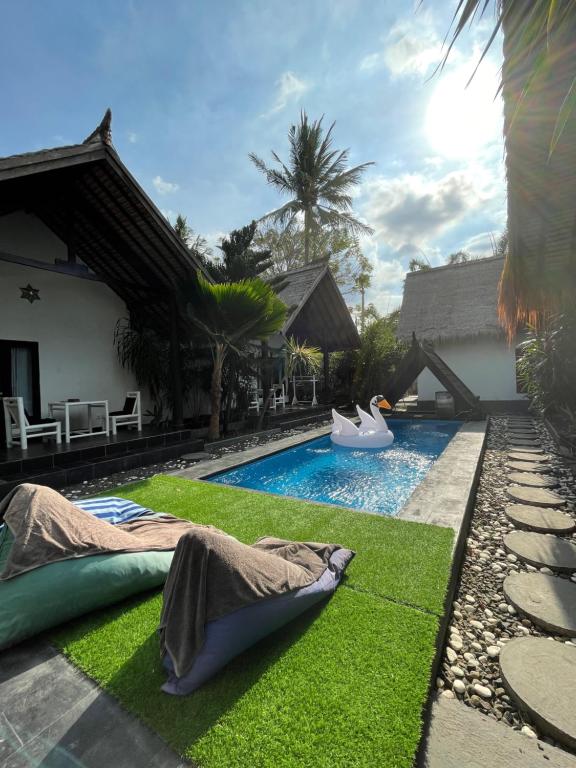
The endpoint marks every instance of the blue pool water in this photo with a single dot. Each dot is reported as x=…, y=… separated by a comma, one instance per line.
x=374, y=480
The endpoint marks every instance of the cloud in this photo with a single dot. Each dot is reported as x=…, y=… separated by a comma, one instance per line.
x=409, y=210
x=164, y=187
x=132, y=137
x=411, y=47
x=289, y=89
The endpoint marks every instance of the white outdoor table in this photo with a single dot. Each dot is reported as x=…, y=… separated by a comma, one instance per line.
x=65, y=405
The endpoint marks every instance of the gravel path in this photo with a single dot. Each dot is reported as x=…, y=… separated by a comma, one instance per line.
x=482, y=621
x=103, y=484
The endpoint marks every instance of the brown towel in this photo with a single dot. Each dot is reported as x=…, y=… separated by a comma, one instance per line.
x=213, y=575
x=48, y=528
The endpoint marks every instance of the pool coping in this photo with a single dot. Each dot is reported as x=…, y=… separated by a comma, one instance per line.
x=441, y=498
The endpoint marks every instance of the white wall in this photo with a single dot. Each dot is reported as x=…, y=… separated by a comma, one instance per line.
x=486, y=366
x=73, y=322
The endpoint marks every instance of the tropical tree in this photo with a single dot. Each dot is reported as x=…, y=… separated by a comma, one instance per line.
x=341, y=249
x=363, y=282
x=377, y=358
x=418, y=265
x=317, y=180
x=300, y=358
x=230, y=315
x=145, y=352
x=460, y=257
x=240, y=259
x=193, y=241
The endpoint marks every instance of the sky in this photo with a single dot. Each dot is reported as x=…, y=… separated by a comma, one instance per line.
x=196, y=85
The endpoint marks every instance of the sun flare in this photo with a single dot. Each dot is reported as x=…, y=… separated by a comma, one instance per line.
x=461, y=121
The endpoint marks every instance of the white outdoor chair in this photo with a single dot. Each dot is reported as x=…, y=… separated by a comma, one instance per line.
x=255, y=400
x=129, y=416
x=18, y=426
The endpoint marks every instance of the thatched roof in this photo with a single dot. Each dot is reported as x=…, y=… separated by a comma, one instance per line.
x=451, y=302
x=317, y=312
x=89, y=199
x=541, y=265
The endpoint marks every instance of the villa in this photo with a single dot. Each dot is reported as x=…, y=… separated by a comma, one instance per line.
x=336, y=584
x=455, y=309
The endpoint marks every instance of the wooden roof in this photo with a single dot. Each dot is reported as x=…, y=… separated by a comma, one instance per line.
x=89, y=199
x=317, y=312
x=451, y=302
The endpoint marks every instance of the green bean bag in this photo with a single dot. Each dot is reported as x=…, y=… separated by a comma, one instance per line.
x=55, y=593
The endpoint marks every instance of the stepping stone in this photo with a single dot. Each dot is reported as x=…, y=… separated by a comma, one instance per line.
x=526, y=466
x=518, y=441
x=526, y=456
x=538, y=497
x=540, y=674
x=200, y=456
x=550, y=602
x=540, y=519
x=539, y=550
x=527, y=450
x=523, y=434
x=532, y=480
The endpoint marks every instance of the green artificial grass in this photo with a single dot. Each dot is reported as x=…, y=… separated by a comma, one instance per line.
x=344, y=685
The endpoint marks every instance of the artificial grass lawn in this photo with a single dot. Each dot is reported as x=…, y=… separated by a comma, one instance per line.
x=342, y=686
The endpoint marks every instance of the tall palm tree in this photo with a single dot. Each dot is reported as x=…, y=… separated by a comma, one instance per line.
x=317, y=180
x=539, y=90
x=231, y=315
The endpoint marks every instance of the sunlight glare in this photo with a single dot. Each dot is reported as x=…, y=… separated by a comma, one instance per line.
x=461, y=121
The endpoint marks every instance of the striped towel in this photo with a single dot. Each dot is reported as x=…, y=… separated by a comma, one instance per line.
x=112, y=509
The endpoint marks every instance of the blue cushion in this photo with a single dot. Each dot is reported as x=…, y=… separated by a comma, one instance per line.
x=227, y=637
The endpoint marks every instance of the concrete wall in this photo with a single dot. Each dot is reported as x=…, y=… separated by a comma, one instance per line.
x=486, y=366
x=73, y=322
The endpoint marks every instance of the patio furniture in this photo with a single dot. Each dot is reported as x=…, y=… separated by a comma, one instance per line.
x=19, y=428
x=90, y=405
x=255, y=400
x=130, y=415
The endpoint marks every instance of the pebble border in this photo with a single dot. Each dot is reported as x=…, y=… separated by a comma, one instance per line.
x=482, y=621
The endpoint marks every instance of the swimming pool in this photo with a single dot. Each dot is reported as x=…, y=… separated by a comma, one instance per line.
x=374, y=480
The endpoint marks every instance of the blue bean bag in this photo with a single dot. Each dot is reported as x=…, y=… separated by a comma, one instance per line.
x=227, y=637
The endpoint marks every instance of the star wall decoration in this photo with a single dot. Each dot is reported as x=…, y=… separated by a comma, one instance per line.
x=30, y=294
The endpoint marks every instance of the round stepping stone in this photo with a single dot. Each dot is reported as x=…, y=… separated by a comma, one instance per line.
x=540, y=519
x=526, y=466
x=538, y=497
x=527, y=450
x=540, y=550
x=540, y=674
x=526, y=443
x=526, y=456
x=550, y=602
x=532, y=480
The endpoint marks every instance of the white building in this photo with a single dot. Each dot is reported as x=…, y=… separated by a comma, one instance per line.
x=455, y=308
x=81, y=244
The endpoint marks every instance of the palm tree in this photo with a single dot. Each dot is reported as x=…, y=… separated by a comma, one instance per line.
x=318, y=181
x=194, y=242
x=230, y=315
x=301, y=358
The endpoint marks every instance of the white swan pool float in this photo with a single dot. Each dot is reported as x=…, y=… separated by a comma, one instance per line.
x=372, y=432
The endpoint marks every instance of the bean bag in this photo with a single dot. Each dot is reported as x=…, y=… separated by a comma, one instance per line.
x=52, y=594
x=228, y=636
